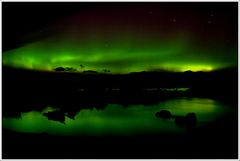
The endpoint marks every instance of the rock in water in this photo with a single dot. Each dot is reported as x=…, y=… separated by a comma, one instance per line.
x=180, y=121
x=191, y=120
x=164, y=114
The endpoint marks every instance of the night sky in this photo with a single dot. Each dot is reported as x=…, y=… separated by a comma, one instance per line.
x=120, y=37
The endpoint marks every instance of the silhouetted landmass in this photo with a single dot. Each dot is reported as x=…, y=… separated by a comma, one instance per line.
x=26, y=90
x=90, y=72
x=65, y=69
x=56, y=116
x=60, y=69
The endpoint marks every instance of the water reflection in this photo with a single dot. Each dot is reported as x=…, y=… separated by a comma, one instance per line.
x=116, y=120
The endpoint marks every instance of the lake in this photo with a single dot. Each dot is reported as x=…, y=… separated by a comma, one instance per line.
x=118, y=120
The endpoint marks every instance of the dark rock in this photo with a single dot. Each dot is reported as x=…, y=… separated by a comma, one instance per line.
x=191, y=120
x=164, y=114
x=56, y=116
x=180, y=121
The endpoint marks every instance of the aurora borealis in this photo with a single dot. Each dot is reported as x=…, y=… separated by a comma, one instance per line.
x=119, y=80
x=131, y=38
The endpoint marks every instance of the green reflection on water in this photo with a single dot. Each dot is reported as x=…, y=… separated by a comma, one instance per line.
x=116, y=120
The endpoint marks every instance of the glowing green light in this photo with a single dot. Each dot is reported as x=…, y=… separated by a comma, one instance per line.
x=126, y=53
x=49, y=109
x=116, y=120
x=196, y=68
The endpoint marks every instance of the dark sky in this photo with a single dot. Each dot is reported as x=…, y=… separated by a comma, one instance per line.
x=204, y=18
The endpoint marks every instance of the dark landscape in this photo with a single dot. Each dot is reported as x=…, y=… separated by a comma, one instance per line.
x=63, y=91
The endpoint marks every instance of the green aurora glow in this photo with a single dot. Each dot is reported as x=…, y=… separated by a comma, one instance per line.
x=118, y=57
x=130, y=38
x=116, y=120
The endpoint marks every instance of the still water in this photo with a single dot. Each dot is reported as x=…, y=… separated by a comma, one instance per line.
x=116, y=120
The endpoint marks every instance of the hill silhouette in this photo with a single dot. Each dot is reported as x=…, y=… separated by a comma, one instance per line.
x=26, y=90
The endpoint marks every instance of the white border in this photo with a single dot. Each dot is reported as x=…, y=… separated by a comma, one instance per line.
x=120, y=1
